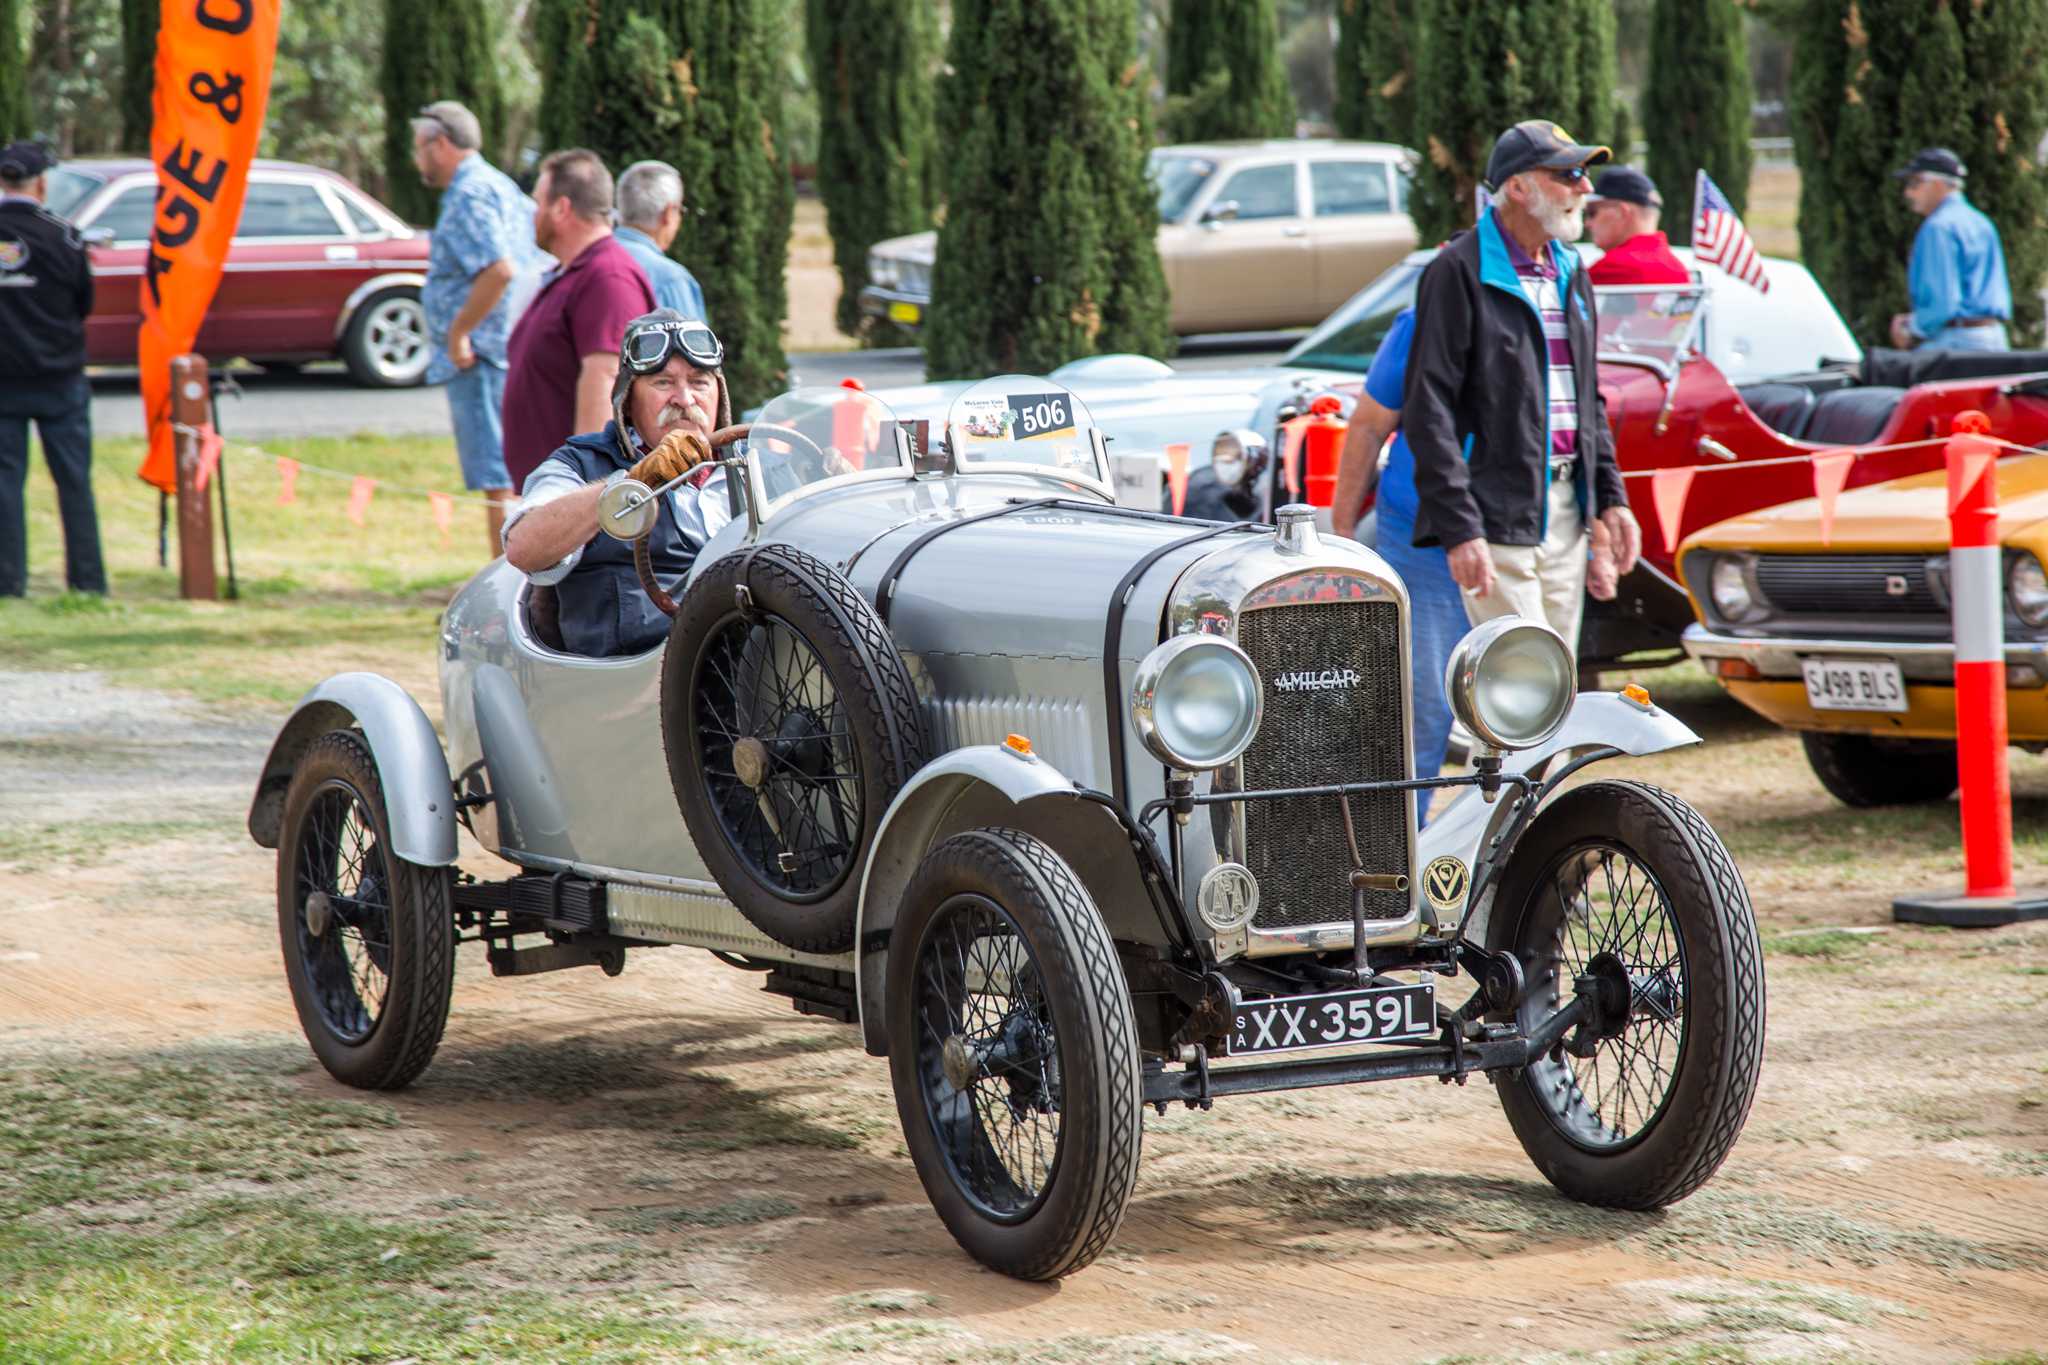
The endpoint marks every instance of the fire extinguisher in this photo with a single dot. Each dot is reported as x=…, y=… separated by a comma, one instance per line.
x=1322, y=450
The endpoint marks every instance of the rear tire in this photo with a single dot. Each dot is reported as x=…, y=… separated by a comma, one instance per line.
x=1014, y=1054
x=1622, y=877
x=368, y=938
x=1860, y=770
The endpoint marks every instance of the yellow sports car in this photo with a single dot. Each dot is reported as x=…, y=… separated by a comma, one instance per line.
x=1850, y=642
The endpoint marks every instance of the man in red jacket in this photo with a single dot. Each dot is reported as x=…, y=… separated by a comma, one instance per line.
x=1622, y=215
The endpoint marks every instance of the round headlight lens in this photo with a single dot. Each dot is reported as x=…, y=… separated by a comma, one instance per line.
x=1511, y=682
x=1728, y=586
x=2026, y=587
x=1196, y=702
x=1226, y=458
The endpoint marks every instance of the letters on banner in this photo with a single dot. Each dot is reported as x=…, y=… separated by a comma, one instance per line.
x=213, y=61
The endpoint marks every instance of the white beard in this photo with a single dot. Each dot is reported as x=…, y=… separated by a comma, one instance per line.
x=1566, y=223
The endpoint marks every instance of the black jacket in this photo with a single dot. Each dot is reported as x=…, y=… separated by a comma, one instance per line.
x=45, y=294
x=1476, y=405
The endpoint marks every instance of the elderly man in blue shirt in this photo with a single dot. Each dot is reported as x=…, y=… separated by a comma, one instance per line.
x=481, y=253
x=1961, y=299
x=650, y=214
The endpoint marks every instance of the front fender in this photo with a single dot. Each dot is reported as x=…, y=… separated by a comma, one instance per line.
x=1468, y=825
x=419, y=798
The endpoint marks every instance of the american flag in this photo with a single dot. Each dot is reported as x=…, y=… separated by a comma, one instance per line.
x=1718, y=236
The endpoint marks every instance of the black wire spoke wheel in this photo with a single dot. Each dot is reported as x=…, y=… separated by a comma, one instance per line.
x=1625, y=887
x=368, y=937
x=987, y=1057
x=778, y=757
x=1013, y=1052
x=1612, y=919
x=344, y=912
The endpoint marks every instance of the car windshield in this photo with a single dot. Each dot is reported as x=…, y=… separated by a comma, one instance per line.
x=1657, y=324
x=68, y=189
x=1178, y=178
x=1349, y=337
x=809, y=435
x=1022, y=419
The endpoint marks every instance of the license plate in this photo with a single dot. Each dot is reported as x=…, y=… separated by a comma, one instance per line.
x=1854, y=685
x=905, y=312
x=1383, y=1014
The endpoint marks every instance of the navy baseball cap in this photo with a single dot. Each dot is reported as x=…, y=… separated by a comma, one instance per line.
x=1628, y=185
x=1536, y=144
x=1933, y=161
x=24, y=160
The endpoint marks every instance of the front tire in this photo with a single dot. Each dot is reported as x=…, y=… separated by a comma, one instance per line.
x=1859, y=770
x=386, y=343
x=1014, y=1054
x=368, y=938
x=1620, y=877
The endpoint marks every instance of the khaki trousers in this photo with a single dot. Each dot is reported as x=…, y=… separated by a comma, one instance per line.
x=1544, y=582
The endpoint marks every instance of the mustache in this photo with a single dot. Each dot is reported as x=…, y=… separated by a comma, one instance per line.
x=687, y=411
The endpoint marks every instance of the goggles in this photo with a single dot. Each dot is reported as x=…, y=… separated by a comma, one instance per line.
x=650, y=347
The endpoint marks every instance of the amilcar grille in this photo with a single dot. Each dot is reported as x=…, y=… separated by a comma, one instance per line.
x=1333, y=690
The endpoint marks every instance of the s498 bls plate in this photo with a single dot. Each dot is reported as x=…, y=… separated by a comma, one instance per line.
x=1383, y=1014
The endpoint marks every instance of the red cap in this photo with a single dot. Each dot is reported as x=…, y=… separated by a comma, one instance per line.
x=851, y=383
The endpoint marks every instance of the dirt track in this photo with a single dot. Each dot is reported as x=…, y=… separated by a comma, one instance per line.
x=676, y=1131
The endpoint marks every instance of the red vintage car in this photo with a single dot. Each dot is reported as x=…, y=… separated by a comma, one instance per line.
x=318, y=270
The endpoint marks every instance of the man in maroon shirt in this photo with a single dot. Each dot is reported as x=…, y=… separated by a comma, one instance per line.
x=564, y=354
x=1622, y=215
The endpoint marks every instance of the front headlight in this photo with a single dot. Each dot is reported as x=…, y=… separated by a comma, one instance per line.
x=1728, y=587
x=1511, y=682
x=1196, y=702
x=2026, y=587
x=881, y=271
x=1232, y=453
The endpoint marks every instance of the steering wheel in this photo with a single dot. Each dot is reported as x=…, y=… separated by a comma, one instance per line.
x=724, y=437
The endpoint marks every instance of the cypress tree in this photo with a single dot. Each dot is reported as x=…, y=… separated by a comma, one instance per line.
x=1224, y=76
x=875, y=133
x=1487, y=64
x=138, y=72
x=433, y=50
x=1696, y=105
x=14, y=117
x=695, y=83
x=1050, y=245
x=1377, y=43
x=1874, y=81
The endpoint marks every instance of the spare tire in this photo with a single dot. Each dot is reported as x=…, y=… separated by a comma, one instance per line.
x=790, y=723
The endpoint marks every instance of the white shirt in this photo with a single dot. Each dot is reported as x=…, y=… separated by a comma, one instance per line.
x=701, y=513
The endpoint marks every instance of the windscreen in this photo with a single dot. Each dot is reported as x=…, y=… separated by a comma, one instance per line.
x=809, y=435
x=1023, y=419
x=1659, y=325
x=1349, y=337
x=1178, y=178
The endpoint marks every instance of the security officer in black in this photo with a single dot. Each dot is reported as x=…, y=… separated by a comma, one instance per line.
x=45, y=296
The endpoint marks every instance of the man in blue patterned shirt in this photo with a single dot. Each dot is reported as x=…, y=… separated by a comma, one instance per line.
x=482, y=246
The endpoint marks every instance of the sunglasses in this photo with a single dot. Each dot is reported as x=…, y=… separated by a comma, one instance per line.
x=650, y=347
x=1566, y=175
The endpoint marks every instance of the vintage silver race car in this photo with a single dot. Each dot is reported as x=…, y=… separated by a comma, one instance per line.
x=1072, y=809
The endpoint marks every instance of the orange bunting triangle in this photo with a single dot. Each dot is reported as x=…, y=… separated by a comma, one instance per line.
x=287, y=480
x=444, y=513
x=1177, y=474
x=359, y=494
x=209, y=458
x=1830, y=472
x=1293, y=433
x=1668, y=488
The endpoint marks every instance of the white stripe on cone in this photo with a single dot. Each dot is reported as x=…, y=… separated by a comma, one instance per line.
x=1979, y=612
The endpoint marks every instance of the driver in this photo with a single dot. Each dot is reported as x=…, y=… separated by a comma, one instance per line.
x=669, y=391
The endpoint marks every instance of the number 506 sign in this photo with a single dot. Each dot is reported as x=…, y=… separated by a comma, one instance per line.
x=1042, y=414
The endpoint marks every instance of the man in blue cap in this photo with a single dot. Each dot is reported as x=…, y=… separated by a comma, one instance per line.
x=1961, y=299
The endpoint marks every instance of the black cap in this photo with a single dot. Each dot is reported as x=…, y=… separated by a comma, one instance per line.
x=24, y=160
x=1538, y=143
x=1629, y=186
x=1933, y=161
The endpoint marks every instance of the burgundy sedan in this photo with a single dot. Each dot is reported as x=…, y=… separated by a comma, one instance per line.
x=318, y=270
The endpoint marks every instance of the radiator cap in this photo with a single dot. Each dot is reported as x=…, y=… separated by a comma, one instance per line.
x=1297, y=522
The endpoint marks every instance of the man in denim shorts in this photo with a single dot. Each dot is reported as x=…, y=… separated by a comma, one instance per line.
x=482, y=251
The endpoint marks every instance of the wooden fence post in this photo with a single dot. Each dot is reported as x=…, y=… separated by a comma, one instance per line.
x=189, y=410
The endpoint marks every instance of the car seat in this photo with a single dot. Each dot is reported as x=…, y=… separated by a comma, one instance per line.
x=1850, y=417
x=1784, y=408
x=544, y=616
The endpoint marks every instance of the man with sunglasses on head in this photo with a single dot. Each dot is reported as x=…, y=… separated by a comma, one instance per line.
x=1513, y=456
x=667, y=401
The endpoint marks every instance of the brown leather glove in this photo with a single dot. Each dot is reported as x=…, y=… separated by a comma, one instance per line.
x=678, y=451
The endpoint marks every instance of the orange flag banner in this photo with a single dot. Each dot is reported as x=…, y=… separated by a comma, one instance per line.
x=1830, y=472
x=359, y=499
x=444, y=513
x=1293, y=433
x=287, y=480
x=213, y=60
x=1668, y=488
x=1177, y=474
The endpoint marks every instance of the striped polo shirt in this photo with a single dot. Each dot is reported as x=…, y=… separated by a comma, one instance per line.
x=1539, y=281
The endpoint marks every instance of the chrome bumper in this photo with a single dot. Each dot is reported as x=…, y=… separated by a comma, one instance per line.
x=1926, y=661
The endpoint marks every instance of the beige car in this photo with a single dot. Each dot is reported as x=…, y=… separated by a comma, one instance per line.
x=1253, y=235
